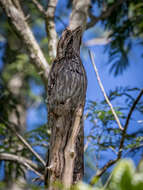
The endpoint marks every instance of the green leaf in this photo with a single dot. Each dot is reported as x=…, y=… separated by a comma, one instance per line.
x=94, y=180
x=110, y=1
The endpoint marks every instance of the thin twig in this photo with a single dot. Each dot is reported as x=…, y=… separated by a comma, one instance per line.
x=127, y=122
x=104, y=93
x=51, y=29
x=132, y=108
x=23, y=140
x=102, y=170
x=134, y=148
x=108, y=181
x=39, y=7
x=32, y=169
x=44, y=12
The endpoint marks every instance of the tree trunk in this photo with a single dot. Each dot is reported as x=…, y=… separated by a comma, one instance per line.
x=66, y=96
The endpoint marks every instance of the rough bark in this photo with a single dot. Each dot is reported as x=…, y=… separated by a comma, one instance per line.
x=50, y=28
x=66, y=97
x=76, y=166
x=79, y=13
x=79, y=17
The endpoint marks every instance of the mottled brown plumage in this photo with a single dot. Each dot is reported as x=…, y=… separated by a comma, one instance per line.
x=66, y=91
x=67, y=79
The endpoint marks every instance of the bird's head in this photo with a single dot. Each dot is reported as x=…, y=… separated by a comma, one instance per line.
x=69, y=42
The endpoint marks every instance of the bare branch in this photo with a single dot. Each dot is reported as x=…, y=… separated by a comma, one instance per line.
x=49, y=16
x=104, y=14
x=44, y=12
x=98, y=41
x=127, y=123
x=102, y=170
x=104, y=93
x=18, y=21
x=7, y=124
x=70, y=152
x=50, y=28
x=132, y=108
x=79, y=14
x=134, y=148
x=39, y=7
x=21, y=160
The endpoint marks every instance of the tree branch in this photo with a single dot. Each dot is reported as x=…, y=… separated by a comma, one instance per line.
x=50, y=29
x=103, y=91
x=127, y=123
x=102, y=170
x=79, y=14
x=104, y=14
x=7, y=124
x=18, y=21
x=39, y=7
x=49, y=16
x=21, y=160
x=134, y=148
x=70, y=152
x=44, y=12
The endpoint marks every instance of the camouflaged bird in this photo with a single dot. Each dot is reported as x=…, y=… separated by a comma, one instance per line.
x=66, y=91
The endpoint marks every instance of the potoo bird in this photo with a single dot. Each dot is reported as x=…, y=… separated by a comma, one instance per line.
x=66, y=90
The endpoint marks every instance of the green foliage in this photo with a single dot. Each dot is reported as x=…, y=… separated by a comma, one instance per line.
x=126, y=27
x=105, y=135
x=124, y=176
